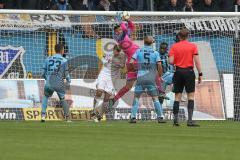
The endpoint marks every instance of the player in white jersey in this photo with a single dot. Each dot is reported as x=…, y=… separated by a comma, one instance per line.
x=113, y=62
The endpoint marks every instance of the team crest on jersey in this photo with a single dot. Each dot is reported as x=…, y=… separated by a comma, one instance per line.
x=11, y=62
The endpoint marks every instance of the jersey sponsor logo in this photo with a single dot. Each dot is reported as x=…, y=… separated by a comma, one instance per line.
x=11, y=62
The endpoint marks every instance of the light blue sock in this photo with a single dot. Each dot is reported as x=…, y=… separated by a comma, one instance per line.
x=135, y=108
x=158, y=108
x=65, y=107
x=44, y=105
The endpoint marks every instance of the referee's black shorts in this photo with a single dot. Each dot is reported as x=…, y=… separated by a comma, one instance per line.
x=184, y=78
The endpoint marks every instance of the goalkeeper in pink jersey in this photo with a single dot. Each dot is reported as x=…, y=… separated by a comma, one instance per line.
x=122, y=34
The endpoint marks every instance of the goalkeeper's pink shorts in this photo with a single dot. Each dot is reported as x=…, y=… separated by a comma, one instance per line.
x=131, y=71
x=131, y=75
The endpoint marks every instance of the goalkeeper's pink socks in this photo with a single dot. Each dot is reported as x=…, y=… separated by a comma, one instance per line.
x=121, y=93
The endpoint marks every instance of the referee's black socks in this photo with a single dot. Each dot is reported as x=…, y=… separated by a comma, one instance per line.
x=190, y=110
x=175, y=111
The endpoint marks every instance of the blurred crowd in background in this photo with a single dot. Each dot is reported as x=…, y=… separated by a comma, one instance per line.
x=126, y=5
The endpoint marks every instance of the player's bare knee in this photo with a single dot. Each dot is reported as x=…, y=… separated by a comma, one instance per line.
x=178, y=96
x=129, y=84
x=190, y=96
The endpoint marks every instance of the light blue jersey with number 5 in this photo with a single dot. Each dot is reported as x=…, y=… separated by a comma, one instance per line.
x=147, y=59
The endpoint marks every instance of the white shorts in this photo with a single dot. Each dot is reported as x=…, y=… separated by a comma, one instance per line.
x=104, y=82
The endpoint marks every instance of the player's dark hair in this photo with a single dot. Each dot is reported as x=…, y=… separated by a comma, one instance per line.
x=165, y=44
x=177, y=38
x=116, y=27
x=59, y=47
x=117, y=48
x=183, y=34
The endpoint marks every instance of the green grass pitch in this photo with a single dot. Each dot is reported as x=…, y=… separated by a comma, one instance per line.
x=118, y=140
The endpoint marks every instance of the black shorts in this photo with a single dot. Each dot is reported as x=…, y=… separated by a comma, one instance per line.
x=184, y=78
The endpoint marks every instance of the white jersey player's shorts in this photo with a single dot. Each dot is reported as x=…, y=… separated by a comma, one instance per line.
x=105, y=83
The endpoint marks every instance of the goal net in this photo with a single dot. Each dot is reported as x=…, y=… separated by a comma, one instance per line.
x=27, y=39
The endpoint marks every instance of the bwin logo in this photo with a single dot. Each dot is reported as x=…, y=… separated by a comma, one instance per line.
x=7, y=115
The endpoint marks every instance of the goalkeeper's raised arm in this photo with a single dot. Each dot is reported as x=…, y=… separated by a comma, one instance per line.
x=122, y=34
x=123, y=30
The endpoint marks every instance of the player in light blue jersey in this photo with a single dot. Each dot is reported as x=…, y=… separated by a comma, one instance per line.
x=55, y=71
x=149, y=63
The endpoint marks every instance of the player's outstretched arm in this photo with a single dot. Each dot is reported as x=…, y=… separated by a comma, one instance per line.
x=67, y=75
x=171, y=55
x=198, y=66
x=105, y=59
x=171, y=60
x=131, y=25
x=127, y=28
x=68, y=78
x=44, y=74
x=159, y=67
x=159, y=64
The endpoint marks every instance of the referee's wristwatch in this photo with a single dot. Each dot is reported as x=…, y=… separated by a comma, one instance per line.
x=200, y=74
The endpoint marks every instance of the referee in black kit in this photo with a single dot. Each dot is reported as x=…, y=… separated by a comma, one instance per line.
x=183, y=55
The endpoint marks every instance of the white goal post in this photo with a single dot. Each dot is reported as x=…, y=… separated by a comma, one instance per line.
x=113, y=13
